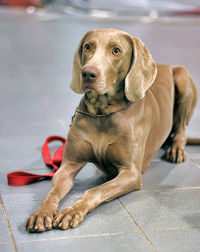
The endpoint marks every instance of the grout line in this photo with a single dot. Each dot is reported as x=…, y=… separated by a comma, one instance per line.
x=173, y=229
x=5, y=243
x=18, y=201
x=52, y=108
x=169, y=189
x=49, y=104
x=155, y=190
x=194, y=162
x=8, y=224
x=77, y=237
x=139, y=228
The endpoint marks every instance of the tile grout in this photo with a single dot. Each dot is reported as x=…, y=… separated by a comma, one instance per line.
x=51, y=107
x=8, y=225
x=172, y=229
x=76, y=237
x=195, y=163
x=21, y=201
x=134, y=192
x=103, y=234
x=139, y=228
x=168, y=189
x=5, y=243
x=48, y=103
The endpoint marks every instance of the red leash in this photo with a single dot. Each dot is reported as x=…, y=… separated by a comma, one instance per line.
x=25, y=178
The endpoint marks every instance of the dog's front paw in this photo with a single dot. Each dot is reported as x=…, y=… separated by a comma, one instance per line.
x=70, y=216
x=176, y=154
x=40, y=220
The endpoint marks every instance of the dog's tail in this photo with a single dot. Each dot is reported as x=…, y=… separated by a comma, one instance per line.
x=193, y=141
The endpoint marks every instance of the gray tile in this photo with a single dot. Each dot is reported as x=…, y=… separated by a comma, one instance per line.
x=7, y=247
x=86, y=178
x=54, y=87
x=25, y=128
x=163, y=175
x=106, y=243
x=21, y=153
x=107, y=218
x=5, y=236
x=193, y=151
x=176, y=240
x=161, y=210
x=24, y=112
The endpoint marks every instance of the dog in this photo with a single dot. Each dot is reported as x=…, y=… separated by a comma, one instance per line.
x=130, y=107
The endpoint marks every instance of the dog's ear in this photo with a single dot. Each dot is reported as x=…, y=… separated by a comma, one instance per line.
x=76, y=83
x=142, y=71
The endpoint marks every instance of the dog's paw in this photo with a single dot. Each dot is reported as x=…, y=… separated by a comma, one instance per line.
x=70, y=217
x=40, y=221
x=176, y=154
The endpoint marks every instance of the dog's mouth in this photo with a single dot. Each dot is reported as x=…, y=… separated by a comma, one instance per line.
x=92, y=86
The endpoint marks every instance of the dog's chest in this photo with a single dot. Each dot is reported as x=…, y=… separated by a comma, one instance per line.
x=102, y=155
x=109, y=144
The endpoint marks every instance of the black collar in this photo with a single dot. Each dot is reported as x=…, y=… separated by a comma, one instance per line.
x=96, y=116
x=92, y=115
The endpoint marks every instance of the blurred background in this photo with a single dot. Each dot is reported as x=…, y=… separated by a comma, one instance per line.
x=112, y=8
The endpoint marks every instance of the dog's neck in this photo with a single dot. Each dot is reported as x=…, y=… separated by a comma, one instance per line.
x=96, y=104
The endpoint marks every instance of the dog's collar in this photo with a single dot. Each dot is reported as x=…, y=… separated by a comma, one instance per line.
x=92, y=115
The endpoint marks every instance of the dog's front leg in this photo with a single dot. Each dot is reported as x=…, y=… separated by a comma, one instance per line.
x=41, y=220
x=127, y=180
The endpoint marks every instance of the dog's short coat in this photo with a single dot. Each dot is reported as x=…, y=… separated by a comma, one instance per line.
x=129, y=109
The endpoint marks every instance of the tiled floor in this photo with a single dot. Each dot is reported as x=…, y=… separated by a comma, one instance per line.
x=36, y=55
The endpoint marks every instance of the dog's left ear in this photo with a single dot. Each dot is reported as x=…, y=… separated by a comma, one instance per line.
x=142, y=72
x=76, y=83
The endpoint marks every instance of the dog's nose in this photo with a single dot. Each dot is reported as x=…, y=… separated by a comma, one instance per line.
x=90, y=74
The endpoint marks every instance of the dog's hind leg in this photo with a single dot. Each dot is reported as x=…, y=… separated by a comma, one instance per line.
x=185, y=102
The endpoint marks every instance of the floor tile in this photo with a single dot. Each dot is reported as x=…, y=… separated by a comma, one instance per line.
x=164, y=175
x=7, y=247
x=193, y=151
x=5, y=236
x=106, y=243
x=107, y=218
x=22, y=153
x=176, y=240
x=161, y=210
x=27, y=114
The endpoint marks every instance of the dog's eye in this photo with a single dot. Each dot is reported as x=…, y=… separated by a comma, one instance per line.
x=87, y=48
x=116, y=51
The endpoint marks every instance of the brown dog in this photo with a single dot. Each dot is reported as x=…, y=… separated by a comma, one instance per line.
x=130, y=107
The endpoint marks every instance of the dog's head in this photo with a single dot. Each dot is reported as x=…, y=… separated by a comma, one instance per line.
x=108, y=58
